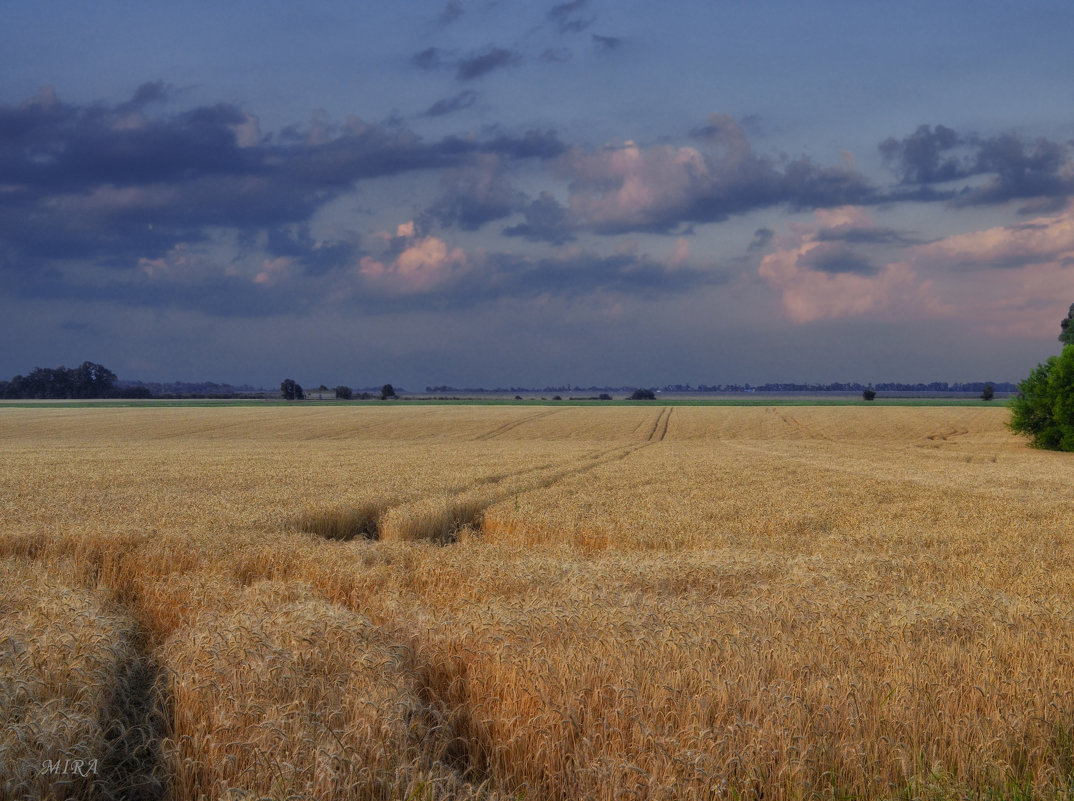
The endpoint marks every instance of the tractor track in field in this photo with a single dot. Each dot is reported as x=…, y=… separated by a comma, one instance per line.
x=486, y=491
x=660, y=425
x=513, y=424
x=946, y=436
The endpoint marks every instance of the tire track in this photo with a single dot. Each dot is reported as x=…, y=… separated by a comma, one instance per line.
x=667, y=422
x=948, y=435
x=513, y=424
x=500, y=477
x=134, y=768
x=810, y=432
x=491, y=490
x=660, y=427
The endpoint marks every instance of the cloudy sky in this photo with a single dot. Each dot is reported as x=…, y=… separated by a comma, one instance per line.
x=496, y=193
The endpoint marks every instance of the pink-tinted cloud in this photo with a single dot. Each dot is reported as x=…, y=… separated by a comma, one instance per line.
x=422, y=264
x=1009, y=280
x=628, y=187
x=811, y=293
x=1040, y=240
x=1004, y=281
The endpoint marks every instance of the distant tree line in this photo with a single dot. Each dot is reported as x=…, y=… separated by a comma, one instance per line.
x=291, y=390
x=883, y=386
x=191, y=389
x=855, y=386
x=88, y=380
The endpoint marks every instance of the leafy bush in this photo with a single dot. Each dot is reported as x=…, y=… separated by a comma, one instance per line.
x=643, y=394
x=988, y=392
x=868, y=394
x=344, y=392
x=1044, y=407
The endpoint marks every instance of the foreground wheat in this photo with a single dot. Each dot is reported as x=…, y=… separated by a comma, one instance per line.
x=560, y=603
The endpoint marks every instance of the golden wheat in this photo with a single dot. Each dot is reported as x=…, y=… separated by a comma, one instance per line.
x=563, y=602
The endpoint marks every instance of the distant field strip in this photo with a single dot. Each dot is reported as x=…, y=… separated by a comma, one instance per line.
x=543, y=602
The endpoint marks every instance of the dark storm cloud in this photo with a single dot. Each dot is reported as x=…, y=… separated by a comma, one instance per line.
x=1020, y=168
x=449, y=105
x=482, y=63
x=808, y=185
x=761, y=238
x=110, y=185
x=530, y=145
x=834, y=258
x=315, y=256
x=925, y=156
x=868, y=235
x=546, y=221
x=476, y=195
x=569, y=17
x=218, y=295
x=52, y=146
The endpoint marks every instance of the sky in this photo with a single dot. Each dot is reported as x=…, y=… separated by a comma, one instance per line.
x=495, y=193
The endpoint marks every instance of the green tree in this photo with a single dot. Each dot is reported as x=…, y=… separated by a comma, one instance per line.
x=1066, y=336
x=1043, y=410
x=387, y=391
x=343, y=393
x=868, y=394
x=988, y=392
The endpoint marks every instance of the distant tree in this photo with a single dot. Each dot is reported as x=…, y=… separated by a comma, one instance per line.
x=518, y=397
x=1066, y=336
x=322, y=388
x=387, y=391
x=93, y=380
x=642, y=395
x=988, y=392
x=343, y=393
x=557, y=397
x=604, y=396
x=868, y=394
x=291, y=390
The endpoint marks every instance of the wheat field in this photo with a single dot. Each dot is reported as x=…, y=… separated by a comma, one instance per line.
x=481, y=602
